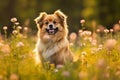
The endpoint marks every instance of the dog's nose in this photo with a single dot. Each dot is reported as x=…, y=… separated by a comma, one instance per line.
x=50, y=26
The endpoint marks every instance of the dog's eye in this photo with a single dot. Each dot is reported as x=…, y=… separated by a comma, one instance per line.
x=46, y=22
x=55, y=22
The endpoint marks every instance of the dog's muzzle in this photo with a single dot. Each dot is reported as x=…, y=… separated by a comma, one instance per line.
x=51, y=30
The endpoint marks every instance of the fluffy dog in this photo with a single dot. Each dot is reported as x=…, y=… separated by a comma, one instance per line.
x=52, y=44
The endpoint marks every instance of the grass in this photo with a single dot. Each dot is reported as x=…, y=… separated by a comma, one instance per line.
x=94, y=59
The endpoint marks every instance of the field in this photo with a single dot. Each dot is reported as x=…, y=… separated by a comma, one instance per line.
x=96, y=56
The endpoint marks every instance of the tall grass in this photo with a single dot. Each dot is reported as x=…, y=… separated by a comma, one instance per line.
x=96, y=56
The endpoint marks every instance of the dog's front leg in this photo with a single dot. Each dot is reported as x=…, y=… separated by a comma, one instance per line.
x=41, y=59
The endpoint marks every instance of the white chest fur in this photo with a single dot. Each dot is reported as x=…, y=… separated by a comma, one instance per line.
x=48, y=50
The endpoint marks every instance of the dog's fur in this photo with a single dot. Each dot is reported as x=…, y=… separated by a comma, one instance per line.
x=52, y=45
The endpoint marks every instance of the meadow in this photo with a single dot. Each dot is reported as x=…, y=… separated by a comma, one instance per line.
x=96, y=55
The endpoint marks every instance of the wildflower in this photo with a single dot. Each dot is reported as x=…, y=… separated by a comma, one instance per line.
x=88, y=33
x=82, y=44
x=93, y=50
x=1, y=77
x=111, y=30
x=15, y=32
x=13, y=19
x=80, y=31
x=5, y=49
x=101, y=28
x=82, y=24
x=19, y=27
x=82, y=74
x=117, y=73
x=119, y=21
x=1, y=44
x=55, y=70
x=71, y=44
x=116, y=27
x=81, y=34
x=85, y=38
x=17, y=23
x=100, y=46
x=26, y=28
x=14, y=77
x=106, y=74
x=98, y=49
x=101, y=63
x=90, y=39
x=85, y=33
x=73, y=36
x=59, y=66
x=106, y=30
x=20, y=44
x=98, y=30
x=94, y=42
x=110, y=44
x=5, y=28
x=65, y=74
x=83, y=53
x=82, y=21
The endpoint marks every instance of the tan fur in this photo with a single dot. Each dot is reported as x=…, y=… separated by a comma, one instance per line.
x=53, y=48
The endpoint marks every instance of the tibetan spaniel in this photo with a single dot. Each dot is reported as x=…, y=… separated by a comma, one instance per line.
x=52, y=44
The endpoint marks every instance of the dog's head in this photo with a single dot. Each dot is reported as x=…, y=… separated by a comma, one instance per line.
x=51, y=23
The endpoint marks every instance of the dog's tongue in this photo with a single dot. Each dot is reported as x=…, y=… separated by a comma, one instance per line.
x=51, y=31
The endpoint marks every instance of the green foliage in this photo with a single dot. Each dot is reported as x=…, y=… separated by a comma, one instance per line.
x=76, y=10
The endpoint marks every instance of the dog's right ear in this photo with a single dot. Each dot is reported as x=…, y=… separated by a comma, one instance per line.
x=39, y=19
x=61, y=16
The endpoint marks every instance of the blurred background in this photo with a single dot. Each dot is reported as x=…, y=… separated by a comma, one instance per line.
x=103, y=12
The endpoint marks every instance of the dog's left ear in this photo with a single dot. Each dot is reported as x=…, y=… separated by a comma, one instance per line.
x=61, y=15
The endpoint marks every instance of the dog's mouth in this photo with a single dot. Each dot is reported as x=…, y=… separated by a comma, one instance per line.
x=52, y=31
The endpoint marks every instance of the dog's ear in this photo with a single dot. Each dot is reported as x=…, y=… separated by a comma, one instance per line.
x=39, y=19
x=61, y=16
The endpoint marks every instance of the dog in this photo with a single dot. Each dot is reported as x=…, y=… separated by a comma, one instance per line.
x=52, y=44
